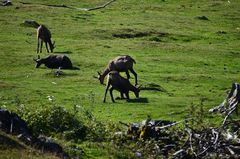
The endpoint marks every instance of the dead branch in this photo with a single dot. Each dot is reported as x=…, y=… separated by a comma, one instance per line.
x=69, y=7
x=230, y=103
x=227, y=116
x=190, y=141
x=95, y=8
x=170, y=125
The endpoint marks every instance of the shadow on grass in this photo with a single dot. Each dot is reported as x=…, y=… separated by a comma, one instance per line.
x=63, y=52
x=138, y=100
x=154, y=87
x=8, y=143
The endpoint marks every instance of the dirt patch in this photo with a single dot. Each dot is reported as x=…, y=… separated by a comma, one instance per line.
x=129, y=33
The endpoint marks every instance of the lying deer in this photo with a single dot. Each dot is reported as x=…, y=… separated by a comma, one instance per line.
x=55, y=61
x=116, y=82
x=44, y=35
x=120, y=64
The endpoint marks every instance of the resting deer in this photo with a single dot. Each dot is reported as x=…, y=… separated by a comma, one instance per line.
x=119, y=64
x=44, y=35
x=55, y=61
x=116, y=82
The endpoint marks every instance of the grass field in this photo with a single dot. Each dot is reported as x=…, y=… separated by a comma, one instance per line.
x=193, y=59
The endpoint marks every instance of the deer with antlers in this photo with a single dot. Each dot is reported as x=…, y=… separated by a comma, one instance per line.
x=44, y=35
x=119, y=64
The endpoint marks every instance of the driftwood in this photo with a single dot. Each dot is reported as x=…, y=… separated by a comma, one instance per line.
x=229, y=105
x=218, y=142
x=212, y=142
x=69, y=7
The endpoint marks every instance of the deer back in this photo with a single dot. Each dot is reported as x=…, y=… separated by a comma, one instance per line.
x=43, y=33
x=121, y=63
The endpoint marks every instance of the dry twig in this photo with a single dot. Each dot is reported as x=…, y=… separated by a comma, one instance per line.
x=65, y=6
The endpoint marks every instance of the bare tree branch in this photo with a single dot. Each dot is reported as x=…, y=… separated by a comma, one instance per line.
x=230, y=103
x=64, y=6
x=95, y=8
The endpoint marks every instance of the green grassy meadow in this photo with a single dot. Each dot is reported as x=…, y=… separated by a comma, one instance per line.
x=194, y=60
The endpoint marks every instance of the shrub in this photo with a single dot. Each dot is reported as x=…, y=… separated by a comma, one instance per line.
x=54, y=120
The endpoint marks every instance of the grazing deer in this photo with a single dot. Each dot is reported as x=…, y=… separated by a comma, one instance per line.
x=120, y=64
x=44, y=35
x=55, y=61
x=116, y=82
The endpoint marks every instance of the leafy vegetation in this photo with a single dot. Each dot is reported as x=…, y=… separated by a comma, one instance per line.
x=194, y=60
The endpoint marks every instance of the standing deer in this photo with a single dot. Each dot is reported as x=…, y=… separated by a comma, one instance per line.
x=119, y=64
x=116, y=82
x=44, y=35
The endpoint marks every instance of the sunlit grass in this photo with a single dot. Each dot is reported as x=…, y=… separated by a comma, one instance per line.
x=194, y=60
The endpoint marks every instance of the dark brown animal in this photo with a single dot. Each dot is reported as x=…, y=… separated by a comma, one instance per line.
x=119, y=64
x=44, y=35
x=55, y=61
x=117, y=82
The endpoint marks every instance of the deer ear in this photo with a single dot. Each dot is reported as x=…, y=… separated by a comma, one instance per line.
x=38, y=56
x=99, y=73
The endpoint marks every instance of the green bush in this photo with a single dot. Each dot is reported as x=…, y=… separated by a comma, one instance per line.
x=54, y=120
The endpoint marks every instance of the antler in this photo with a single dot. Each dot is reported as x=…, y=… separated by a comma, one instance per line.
x=95, y=76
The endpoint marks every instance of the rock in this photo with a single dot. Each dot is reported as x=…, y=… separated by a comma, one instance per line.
x=47, y=145
x=12, y=123
x=5, y=120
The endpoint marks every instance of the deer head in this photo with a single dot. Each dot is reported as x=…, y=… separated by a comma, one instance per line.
x=38, y=61
x=52, y=46
x=100, y=77
x=137, y=91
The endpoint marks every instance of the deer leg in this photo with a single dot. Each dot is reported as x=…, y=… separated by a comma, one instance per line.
x=127, y=95
x=135, y=74
x=104, y=99
x=127, y=73
x=111, y=93
x=38, y=46
x=47, y=46
x=122, y=96
x=41, y=43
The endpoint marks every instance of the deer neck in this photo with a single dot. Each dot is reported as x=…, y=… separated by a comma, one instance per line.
x=50, y=43
x=132, y=88
x=105, y=72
